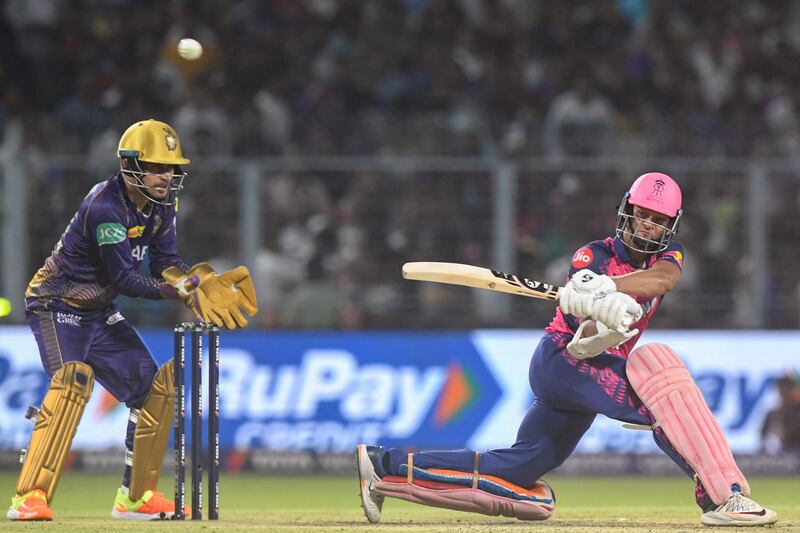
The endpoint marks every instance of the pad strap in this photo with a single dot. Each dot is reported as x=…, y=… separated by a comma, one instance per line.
x=476, y=469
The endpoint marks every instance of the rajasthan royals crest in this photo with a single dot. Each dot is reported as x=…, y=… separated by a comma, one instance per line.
x=658, y=187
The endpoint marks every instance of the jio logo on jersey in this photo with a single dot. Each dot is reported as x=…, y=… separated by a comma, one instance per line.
x=582, y=258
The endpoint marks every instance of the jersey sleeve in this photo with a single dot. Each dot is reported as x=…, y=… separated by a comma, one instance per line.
x=107, y=230
x=163, y=247
x=673, y=254
x=593, y=256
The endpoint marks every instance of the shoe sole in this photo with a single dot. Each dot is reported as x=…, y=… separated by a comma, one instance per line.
x=363, y=483
x=130, y=515
x=718, y=519
x=15, y=515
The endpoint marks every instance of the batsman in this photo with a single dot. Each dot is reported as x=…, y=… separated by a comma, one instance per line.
x=586, y=365
x=82, y=335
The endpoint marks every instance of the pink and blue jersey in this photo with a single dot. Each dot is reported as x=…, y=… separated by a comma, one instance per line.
x=610, y=257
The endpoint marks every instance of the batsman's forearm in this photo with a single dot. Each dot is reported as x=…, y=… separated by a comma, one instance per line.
x=646, y=283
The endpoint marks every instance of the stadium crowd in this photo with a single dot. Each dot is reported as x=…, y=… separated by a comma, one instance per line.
x=508, y=79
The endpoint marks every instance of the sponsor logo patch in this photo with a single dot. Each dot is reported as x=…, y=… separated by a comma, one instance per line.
x=582, y=257
x=68, y=319
x=113, y=319
x=676, y=255
x=111, y=233
x=135, y=232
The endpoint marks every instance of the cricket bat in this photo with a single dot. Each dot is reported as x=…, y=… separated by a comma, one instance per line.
x=480, y=278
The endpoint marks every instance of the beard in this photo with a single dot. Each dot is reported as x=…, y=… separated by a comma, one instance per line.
x=643, y=243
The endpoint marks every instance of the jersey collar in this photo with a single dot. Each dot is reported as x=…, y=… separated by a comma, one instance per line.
x=622, y=253
x=146, y=212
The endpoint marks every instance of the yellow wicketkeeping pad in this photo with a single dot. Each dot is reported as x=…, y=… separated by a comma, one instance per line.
x=55, y=428
x=152, y=433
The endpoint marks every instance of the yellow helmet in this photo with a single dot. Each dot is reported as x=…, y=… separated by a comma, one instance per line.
x=152, y=141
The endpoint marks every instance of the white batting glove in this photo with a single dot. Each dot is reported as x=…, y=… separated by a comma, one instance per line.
x=575, y=303
x=587, y=282
x=586, y=347
x=616, y=310
x=578, y=295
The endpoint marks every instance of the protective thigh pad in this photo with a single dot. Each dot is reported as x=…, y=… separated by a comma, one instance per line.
x=55, y=426
x=152, y=433
x=665, y=387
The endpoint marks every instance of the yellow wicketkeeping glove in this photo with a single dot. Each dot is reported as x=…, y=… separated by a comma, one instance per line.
x=221, y=298
x=184, y=283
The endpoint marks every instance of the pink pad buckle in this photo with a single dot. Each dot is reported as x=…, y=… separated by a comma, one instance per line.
x=472, y=500
x=666, y=388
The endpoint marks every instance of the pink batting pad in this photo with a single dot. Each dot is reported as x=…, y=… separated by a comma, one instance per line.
x=461, y=498
x=667, y=389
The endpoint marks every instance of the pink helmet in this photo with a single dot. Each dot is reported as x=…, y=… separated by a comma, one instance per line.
x=657, y=192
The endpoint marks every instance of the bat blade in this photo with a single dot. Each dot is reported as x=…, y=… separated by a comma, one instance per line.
x=480, y=278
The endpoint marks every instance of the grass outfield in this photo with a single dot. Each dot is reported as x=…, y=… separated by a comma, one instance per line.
x=331, y=504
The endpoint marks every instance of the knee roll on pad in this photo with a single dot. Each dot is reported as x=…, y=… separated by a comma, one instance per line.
x=55, y=426
x=152, y=433
x=666, y=388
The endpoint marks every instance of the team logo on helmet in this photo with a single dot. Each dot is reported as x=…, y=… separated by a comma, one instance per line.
x=658, y=187
x=170, y=140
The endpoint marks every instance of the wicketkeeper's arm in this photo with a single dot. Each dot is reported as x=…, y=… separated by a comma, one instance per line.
x=113, y=247
x=163, y=249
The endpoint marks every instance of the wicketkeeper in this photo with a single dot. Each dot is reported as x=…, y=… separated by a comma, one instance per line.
x=82, y=335
x=585, y=365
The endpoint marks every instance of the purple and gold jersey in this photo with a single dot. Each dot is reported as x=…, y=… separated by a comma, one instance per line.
x=610, y=257
x=98, y=255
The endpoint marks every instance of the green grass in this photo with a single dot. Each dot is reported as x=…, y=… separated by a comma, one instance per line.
x=330, y=504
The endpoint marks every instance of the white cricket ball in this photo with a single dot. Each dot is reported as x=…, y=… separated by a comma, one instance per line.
x=190, y=49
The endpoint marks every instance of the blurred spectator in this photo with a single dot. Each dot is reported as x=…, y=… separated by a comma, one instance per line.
x=716, y=66
x=203, y=125
x=317, y=303
x=781, y=428
x=579, y=122
x=81, y=114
